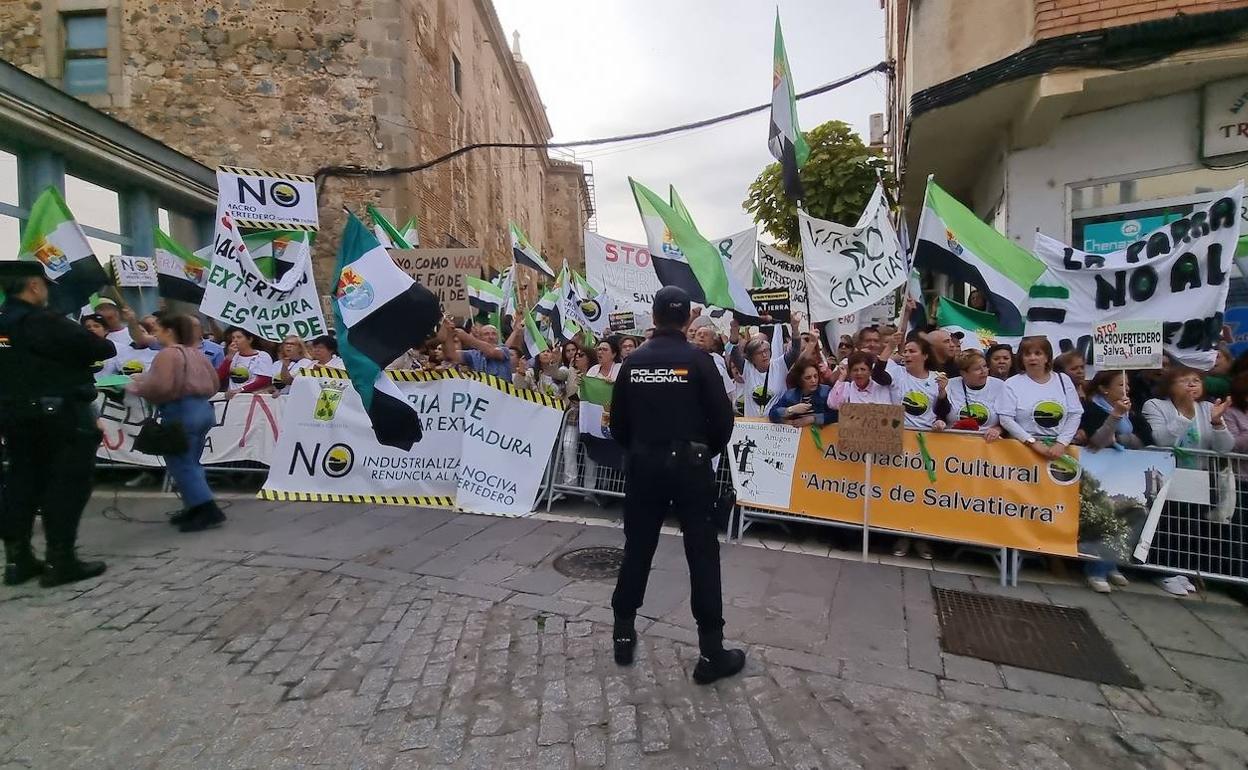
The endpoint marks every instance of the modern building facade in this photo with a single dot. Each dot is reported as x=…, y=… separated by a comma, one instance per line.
x=1087, y=120
x=301, y=85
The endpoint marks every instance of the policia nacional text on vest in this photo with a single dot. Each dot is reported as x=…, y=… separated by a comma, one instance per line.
x=48, y=428
x=670, y=413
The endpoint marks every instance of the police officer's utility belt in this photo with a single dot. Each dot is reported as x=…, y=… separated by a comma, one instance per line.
x=48, y=405
x=680, y=454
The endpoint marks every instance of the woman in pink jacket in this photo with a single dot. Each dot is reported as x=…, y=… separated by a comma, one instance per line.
x=179, y=382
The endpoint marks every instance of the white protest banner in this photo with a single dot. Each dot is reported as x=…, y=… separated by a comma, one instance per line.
x=623, y=271
x=442, y=272
x=484, y=449
x=763, y=458
x=134, y=271
x=238, y=294
x=246, y=428
x=267, y=200
x=1179, y=274
x=849, y=268
x=1127, y=345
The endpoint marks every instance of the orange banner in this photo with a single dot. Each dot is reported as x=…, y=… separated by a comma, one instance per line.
x=1000, y=494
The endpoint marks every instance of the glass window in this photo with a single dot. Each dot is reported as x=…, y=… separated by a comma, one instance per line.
x=105, y=250
x=8, y=178
x=162, y=218
x=10, y=237
x=92, y=205
x=86, y=53
x=1108, y=216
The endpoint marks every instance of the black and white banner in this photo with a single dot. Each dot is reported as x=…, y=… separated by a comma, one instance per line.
x=1178, y=274
x=850, y=268
x=246, y=428
x=780, y=271
x=485, y=445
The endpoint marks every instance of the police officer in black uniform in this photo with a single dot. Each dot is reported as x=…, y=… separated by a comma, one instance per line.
x=670, y=413
x=48, y=427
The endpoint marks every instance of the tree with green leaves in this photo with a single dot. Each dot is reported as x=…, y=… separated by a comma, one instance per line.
x=838, y=179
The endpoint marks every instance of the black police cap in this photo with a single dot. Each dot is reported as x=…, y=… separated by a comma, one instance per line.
x=671, y=306
x=12, y=268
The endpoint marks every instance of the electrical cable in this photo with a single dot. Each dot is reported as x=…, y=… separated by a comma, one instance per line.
x=360, y=171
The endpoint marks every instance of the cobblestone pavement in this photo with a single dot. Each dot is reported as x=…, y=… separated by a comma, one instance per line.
x=188, y=653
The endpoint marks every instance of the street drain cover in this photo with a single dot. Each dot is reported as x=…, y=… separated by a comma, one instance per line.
x=597, y=563
x=1043, y=637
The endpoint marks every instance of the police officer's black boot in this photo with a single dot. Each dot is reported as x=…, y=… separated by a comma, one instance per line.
x=624, y=640
x=64, y=567
x=715, y=662
x=20, y=563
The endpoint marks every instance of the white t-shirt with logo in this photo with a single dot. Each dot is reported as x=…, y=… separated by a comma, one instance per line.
x=981, y=404
x=1040, y=409
x=916, y=395
x=243, y=370
x=129, y=360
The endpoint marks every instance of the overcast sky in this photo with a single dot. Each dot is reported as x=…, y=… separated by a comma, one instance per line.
x=607, y=67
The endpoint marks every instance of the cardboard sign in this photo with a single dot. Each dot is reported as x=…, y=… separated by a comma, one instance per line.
x=874, y=428
x=442, y=272
x=267, y=200
x=774, y=302
x=622, y=321
x=1127, y=345
x=134, y=271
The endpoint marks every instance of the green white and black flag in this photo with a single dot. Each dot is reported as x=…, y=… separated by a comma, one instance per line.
x=784, y=137
x=54, y=239
x=180, y=274
x=380, y=313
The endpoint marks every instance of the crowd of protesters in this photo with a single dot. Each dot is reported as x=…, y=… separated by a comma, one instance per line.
x=798, y=377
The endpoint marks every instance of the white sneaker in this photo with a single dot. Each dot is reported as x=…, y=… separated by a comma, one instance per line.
x=142, y=480
x=1173, y=585
x=923, y=549
x=1188, y=584
x=1099, y=584
x=901, y=547
x=1118, y=579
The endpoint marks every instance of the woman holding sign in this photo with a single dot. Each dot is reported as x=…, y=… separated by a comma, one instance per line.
x=1040, y=407
x=766, y=367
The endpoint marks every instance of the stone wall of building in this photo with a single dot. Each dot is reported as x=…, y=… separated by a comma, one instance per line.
x=1063, y=17
x=298, y=85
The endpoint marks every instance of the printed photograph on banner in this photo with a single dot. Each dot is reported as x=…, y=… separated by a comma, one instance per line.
x=955, y=486
x=1117, y=490
x=1178, y=274
x=763, y=456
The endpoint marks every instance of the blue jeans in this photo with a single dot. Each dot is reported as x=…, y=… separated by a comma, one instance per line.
x=196, y=416
x=1099, y=569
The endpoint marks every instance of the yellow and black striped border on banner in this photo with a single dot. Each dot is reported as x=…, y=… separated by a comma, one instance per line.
x=255, y=224
x=261, y=172
x=326, y=497
x=419, y=375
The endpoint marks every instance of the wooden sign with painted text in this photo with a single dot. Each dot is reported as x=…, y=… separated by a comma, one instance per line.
x=442, y=272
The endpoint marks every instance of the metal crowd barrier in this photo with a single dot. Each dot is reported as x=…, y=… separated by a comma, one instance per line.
x=572, y=472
